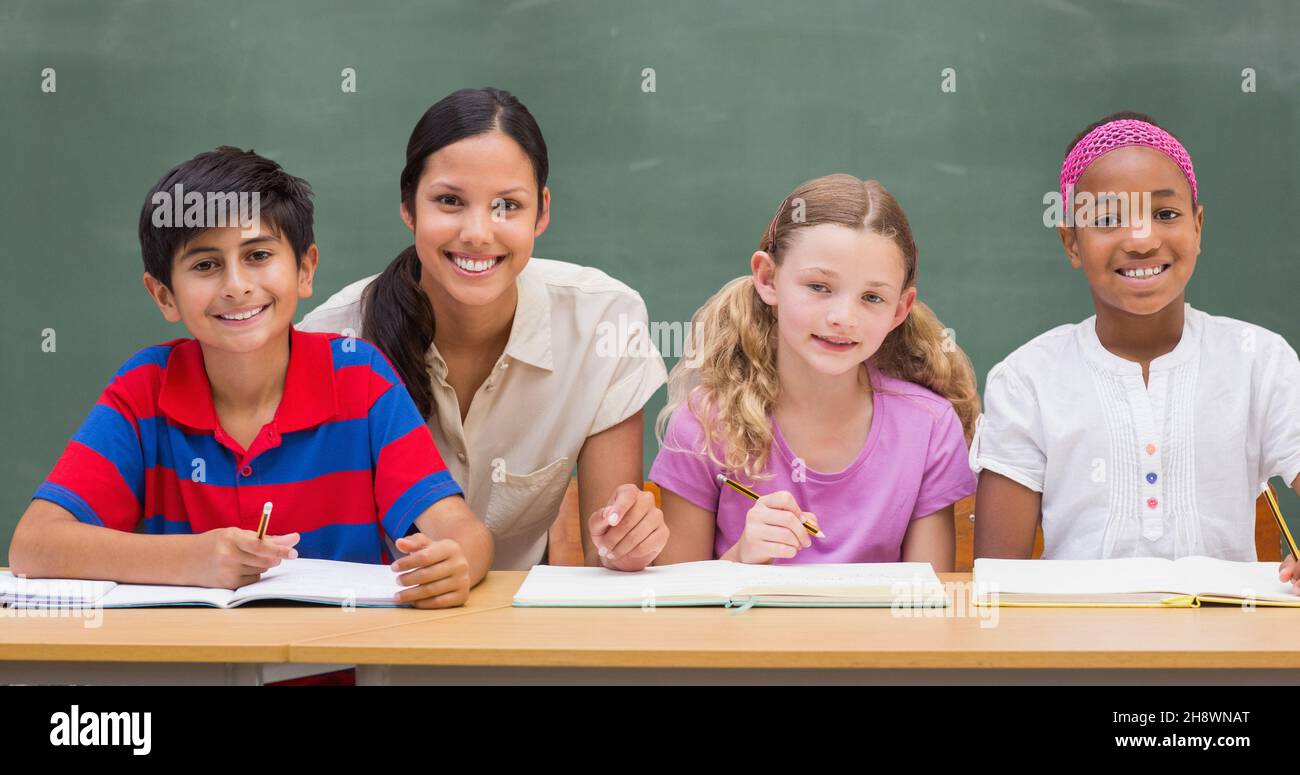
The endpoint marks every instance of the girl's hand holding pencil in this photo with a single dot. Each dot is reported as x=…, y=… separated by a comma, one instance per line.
x=774, y=527
x=1289, y=572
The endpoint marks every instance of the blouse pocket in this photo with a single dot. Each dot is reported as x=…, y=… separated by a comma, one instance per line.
x=522, y=503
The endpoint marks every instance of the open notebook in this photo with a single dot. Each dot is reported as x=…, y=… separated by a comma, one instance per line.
x=1145, y=581
x=327, y=582
x=724, y=583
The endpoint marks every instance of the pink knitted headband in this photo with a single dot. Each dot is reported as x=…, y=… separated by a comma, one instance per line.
x=1119, y=134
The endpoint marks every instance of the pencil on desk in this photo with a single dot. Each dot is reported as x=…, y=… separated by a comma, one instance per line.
x=265, y=521
x=743, y=490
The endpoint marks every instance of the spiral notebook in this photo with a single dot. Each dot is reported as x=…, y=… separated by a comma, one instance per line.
x=326, y=582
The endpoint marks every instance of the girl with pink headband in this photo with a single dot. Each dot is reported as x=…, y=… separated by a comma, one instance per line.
x=1149, y=429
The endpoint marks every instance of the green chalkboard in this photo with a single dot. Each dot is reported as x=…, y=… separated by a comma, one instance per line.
x=667, y=190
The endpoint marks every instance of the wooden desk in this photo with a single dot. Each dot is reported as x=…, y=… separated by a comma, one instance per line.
x=490, y=642
x=832, y=646
x=193, y=645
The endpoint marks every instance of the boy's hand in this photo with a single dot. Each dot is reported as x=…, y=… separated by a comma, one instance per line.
x=629, y=532
x=773, y=528
x=436, y=572
x=230, y=557
x=1290, y=571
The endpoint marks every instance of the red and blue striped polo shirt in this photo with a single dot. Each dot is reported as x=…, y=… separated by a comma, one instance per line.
x=346, y=460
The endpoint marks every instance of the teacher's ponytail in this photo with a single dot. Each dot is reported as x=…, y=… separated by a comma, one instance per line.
x=397, y=318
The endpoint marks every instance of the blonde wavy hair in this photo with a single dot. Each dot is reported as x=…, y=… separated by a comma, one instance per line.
x=728, y=377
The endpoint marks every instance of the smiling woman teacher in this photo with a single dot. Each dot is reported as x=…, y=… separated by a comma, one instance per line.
x=503, y=353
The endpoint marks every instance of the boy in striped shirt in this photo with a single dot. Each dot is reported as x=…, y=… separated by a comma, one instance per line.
x=166, y=479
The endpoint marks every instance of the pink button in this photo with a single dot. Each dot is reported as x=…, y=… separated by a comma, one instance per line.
x=248, y=471
x=1152, y=503
x=1151, y=449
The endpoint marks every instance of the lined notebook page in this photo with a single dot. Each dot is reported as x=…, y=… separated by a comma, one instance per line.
x=1208, y=576
x=1078, y=577
x=709, y=579
x=144, y=595
x=329, y=581
x=885, y=575
x=713, y=580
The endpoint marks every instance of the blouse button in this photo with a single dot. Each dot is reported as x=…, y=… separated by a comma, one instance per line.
x=460, y=456
x=1152, y=503
x=490, y=387
x=1151, y=478
x=247, y=471
x=1151, y=449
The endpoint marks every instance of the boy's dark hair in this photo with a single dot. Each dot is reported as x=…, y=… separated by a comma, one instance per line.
x=1123, y=115
x=284, y=203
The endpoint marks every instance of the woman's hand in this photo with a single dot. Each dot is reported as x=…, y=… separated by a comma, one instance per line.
x=629, y=531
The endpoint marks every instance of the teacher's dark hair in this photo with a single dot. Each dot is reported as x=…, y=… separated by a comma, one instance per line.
x=396, y=315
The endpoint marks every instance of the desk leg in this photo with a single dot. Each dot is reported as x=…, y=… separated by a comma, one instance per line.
x=287, y=671
x=244, y=674
x=132, y=673
x=374, y=675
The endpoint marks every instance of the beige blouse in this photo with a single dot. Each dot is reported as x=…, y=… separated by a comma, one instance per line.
x=579, y=360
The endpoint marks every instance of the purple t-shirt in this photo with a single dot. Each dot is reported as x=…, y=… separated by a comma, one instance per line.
x=914, y=463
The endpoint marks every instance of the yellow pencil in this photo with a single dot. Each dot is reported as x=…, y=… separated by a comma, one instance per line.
x=743, y=490
x=265, y=522
x=1281, y=523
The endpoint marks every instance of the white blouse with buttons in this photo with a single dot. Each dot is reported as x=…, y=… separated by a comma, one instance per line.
x=1167, y=468
x=578, y=361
